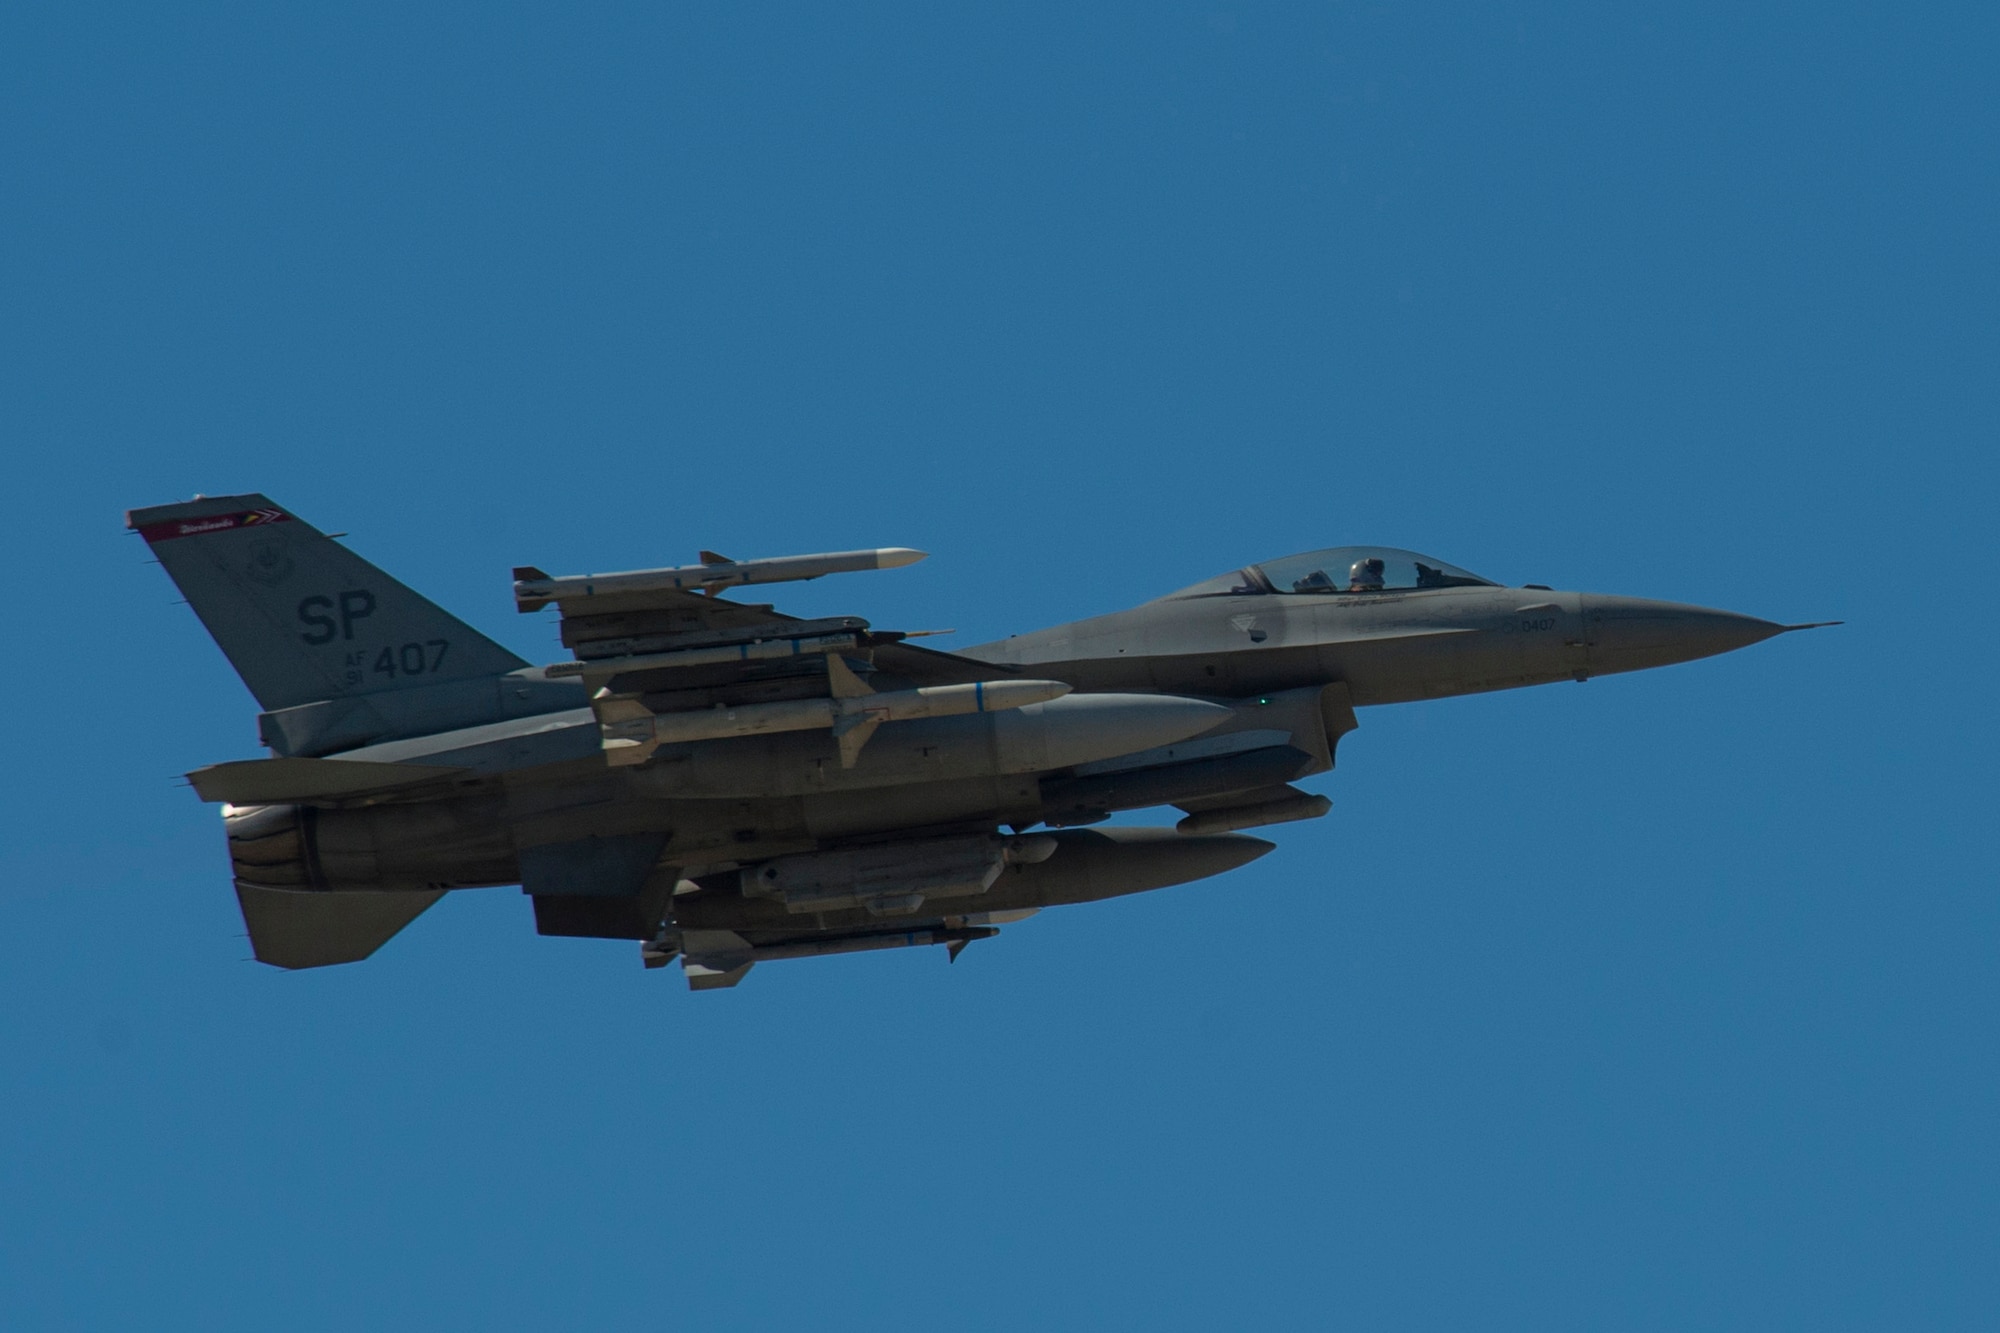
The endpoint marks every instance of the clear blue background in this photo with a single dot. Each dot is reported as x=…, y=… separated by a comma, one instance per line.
x=1665, y=1001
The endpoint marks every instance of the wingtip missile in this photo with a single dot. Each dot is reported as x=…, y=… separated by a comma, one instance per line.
x=533, y=589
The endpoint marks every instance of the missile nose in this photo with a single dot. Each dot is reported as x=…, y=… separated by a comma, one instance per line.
x=1633, y=633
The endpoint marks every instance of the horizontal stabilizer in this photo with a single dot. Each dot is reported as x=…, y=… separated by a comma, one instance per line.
x=293, y=928
x=928, y=666
x=304, y=781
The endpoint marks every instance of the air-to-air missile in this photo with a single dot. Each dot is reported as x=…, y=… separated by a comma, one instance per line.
x=533, y=589
x=729, y=785
x=632, y=731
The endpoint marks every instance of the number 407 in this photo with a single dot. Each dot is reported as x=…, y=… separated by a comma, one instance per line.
x=412, y=659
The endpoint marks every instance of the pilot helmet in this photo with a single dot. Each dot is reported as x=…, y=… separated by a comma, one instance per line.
x=1366, y=573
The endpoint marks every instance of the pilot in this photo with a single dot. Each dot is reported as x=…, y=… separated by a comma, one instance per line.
x=1365, y=575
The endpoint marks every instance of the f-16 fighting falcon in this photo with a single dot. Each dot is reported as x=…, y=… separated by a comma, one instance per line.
x=727, y=785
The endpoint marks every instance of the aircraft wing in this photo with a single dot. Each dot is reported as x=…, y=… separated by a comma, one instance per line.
x=616, y=629
x=649, y=643
x=928, y=666
x=621, y=624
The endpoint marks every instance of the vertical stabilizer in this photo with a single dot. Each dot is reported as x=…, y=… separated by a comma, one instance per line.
x=301, y=617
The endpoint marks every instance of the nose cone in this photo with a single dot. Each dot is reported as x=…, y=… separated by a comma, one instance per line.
x=1631, y=633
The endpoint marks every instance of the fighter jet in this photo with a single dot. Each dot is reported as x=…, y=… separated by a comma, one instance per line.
x=728, y=785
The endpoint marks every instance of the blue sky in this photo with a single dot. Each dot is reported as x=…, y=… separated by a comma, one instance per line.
x=1667, y=1000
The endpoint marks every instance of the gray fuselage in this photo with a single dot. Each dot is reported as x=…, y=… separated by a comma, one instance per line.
x=1388, y=647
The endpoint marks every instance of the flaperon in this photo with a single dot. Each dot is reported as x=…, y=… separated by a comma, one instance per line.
x=727, y=784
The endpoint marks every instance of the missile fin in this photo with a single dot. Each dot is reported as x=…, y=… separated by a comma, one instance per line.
x=841, y=680
x=700, y=976
x=852, y=732
x=625, y=728
x=611, y=707
x=851, y=729
x=714, y=959
x=660, y=950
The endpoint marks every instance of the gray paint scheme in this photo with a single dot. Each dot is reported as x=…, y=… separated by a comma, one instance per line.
x=294, y=929
x=413, y=755
x=302, y=618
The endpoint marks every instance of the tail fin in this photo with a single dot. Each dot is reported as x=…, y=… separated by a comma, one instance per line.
x=301, y=617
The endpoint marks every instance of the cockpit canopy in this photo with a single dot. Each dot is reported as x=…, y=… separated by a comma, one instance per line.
x=1345, y=570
